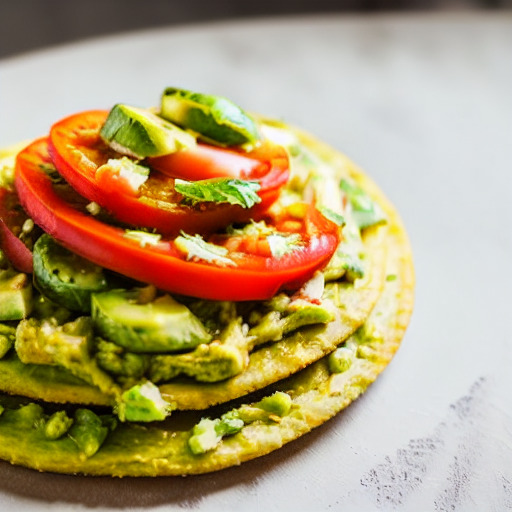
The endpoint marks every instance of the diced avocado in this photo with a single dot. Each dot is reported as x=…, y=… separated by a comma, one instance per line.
x=208, y=433
x=204, y=436
x=68, y=346
x=162, y=325
x=57, y=425
x=230, y=423
x=142, y=402
x=279, y=403
x=274, y=325
x=88, y=432
x=125, y=366
x=340, y=360
x=15, y=295
x=207, y=363
x=215, y=118
x=64, y=277
x=140, y=133
x=270, y=408
x=7, y=337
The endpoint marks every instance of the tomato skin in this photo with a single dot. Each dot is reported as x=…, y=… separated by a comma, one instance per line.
x=253, y=278
x=77, y=152
x=16, y=251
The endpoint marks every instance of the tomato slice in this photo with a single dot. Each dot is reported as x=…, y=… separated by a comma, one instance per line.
x=252, y=277
x=78, y=152
x=12, y=218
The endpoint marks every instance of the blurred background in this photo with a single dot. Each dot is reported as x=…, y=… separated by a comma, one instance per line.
x=31, y=24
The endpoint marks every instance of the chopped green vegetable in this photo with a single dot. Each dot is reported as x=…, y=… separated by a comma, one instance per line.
x=332, y=215
x=155, y=326
x=143, y=402
x=134, y=173
x=340, y=360
x=57, y=425
x=68, y=346
x=125, y=366
x=281, y=244
x=207, y=363
x=366, y=211
x=279, y=403
x=196, y=247
x=220, y=190
x=88, y=432
x=204, y=436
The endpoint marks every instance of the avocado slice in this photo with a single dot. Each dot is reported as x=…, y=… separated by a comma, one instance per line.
x=64, y=277
x=140, y=133
x=161, y=325
x=215, y=118
x=15, y=295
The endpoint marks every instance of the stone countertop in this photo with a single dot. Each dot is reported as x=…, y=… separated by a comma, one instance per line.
x=424, y=104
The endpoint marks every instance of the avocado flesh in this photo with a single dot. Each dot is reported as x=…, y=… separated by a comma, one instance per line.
x=216, y=119
x=140, y=133
x=15, y=295
x=64, y=277
x=68, y=346
x=317, y=395
x=162, y=325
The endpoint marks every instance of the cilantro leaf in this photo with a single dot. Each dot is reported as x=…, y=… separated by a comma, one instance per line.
x=283, y=244
x=365, y=211
x=222, y=190
x=142, y=237
x=196, y=247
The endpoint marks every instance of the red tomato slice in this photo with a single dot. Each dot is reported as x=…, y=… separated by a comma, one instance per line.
x=11, y=218
x=253, y=277
x=203, y=162
x=78, y=152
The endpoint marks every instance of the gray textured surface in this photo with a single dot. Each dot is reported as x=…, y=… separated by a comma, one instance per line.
x=424, y=104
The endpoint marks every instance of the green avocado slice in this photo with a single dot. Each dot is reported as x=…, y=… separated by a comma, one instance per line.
x=216, y=119
x=160, y=325
x=140, y=133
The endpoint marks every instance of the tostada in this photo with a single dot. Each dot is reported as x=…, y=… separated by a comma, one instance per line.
x=187, y=287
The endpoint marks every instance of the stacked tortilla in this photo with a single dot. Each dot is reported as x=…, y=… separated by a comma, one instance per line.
x=290, y=384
